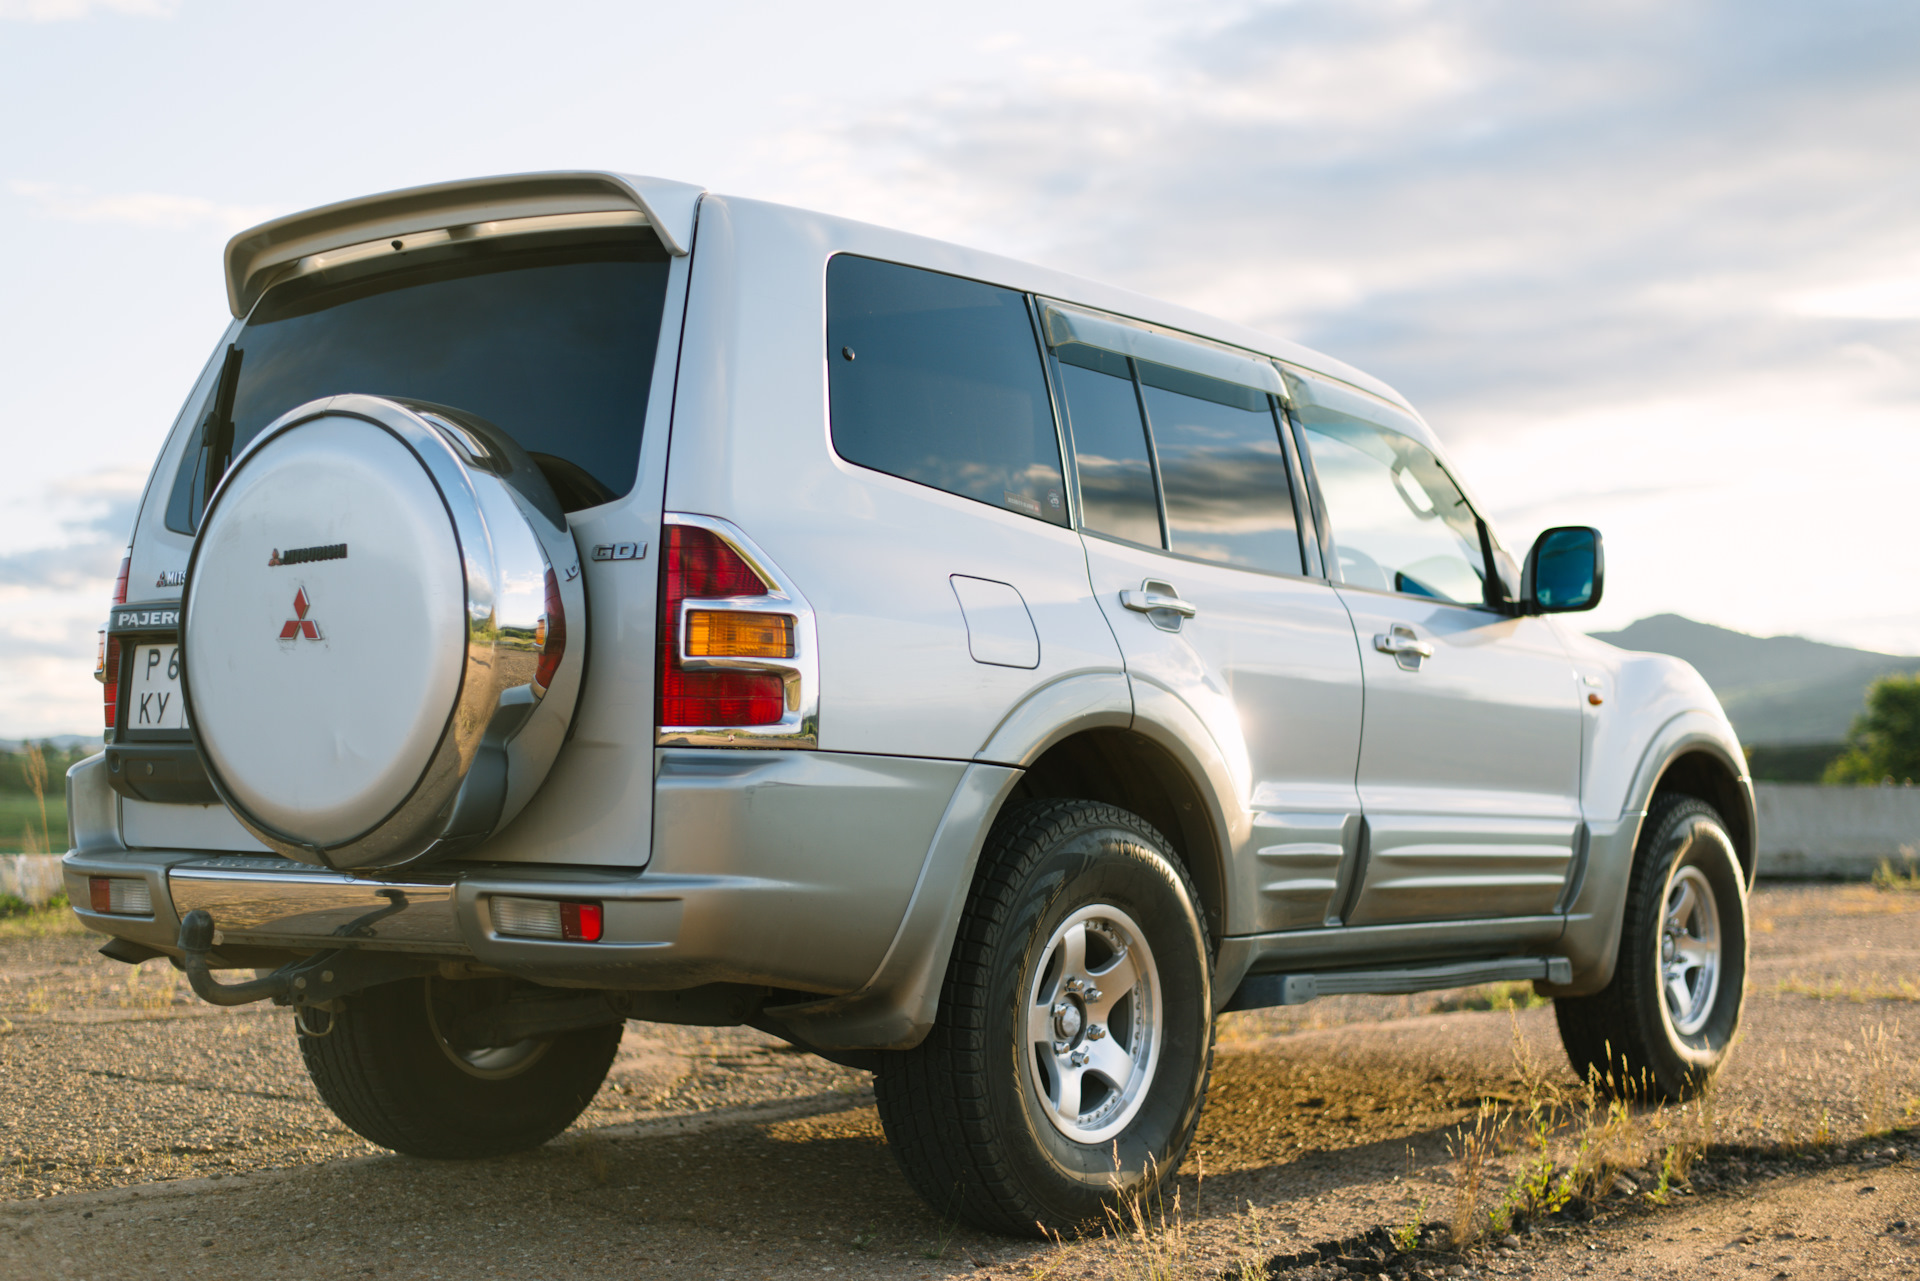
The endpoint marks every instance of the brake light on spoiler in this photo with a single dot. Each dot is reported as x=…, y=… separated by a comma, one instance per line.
x=736, y=658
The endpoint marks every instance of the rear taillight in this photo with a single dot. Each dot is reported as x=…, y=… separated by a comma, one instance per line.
x=107, y=672
x=551, y=635
x=700, y=566
x=106, y=663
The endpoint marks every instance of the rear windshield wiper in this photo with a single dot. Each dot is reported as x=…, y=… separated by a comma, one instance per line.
x=216, y=432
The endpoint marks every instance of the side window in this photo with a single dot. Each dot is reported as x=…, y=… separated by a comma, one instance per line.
x=1399, y=522
x=1109, y=445
x=1228, y=494
x=938, y=380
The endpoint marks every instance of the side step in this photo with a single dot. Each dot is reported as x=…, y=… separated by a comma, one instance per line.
x=1258, y=991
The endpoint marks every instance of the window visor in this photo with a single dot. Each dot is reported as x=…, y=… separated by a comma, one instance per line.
x=1069, y=326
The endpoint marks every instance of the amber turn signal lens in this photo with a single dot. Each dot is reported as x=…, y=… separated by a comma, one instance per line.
x=730, y=633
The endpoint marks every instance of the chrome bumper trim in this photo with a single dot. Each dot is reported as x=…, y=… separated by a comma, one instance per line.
x=271, y=902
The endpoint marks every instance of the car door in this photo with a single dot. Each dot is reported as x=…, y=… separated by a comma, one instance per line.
x=1194, y=548
x=1469, y=769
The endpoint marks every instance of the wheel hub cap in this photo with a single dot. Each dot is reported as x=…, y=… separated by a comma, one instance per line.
x=1690, y=951
x=1093, y=1024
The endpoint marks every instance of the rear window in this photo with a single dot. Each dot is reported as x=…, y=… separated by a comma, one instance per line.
x=554, y=345
x=938, y=380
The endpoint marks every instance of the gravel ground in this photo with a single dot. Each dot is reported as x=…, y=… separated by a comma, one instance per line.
x=143, y=1134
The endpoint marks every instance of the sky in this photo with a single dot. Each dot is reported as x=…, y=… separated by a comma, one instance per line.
x=1653, y=266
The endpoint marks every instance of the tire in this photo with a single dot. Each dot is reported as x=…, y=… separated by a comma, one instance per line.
x=1665, y=1023
x=385, y=1070
x=1069, y=895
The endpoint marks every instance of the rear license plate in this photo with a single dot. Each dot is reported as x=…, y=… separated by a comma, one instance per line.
x=154, y=700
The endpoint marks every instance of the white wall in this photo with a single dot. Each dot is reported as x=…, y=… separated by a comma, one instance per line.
x=1812, y=830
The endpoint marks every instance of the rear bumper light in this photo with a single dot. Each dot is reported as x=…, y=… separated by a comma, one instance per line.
x=545, y=918
x=119, y=896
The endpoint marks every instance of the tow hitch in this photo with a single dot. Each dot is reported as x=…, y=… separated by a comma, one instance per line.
x=311, y=981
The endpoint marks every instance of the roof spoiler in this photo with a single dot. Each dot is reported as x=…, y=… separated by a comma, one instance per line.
x=255, y=256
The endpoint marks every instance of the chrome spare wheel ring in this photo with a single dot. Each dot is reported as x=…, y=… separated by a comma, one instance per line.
x=489, y=1062
x=1093, y=1024
x=1690, y=950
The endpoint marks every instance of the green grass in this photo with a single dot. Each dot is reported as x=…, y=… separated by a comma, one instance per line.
x=1491, y=996
x=1889, y=877
x=20, y=824
x=18, y=921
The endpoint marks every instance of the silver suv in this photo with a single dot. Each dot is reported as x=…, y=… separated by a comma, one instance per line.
x=575, y=598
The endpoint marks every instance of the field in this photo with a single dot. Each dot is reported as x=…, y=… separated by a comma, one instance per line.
x=20, y=831
x=145, y=1134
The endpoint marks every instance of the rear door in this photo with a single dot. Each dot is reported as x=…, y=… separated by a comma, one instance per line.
x=1469, y=770
x=1194, y=546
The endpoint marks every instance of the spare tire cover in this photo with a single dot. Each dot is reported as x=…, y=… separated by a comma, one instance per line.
x=372, y=593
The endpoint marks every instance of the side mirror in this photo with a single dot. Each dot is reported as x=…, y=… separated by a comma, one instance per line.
x=1566, y=570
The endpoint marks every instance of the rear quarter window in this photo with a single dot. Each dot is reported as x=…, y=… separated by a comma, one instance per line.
x=937, y=379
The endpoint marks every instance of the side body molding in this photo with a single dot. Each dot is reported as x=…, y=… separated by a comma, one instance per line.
x=1223, y=778
x=1592, y=937
x=895, y=1009
x=1058, y=710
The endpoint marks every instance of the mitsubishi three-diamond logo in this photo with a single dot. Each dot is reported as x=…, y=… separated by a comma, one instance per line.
x=300, y=625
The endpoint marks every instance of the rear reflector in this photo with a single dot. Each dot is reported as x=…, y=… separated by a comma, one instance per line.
x=545, y=918
x=699, y=565
x=731, y=633
x=119, y=896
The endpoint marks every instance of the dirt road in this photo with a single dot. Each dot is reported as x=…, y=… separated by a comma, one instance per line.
x=143, y=1134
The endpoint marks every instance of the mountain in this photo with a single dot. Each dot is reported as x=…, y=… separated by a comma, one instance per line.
x=1776, y=689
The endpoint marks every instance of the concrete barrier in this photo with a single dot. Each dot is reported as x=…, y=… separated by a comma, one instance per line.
x=1811, y=831
x=32, y=877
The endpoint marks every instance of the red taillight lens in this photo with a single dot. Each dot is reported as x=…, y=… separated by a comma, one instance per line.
x=580, y=922
x=553, y=636
x=700, y=565
x=120, y=580
x=110, y=676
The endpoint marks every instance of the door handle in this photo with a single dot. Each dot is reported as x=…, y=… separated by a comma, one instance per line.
x=1146, y=602
x=1408, y=650
x=1400, y=642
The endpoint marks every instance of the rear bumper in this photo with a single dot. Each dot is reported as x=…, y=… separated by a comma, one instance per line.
x=811, y=872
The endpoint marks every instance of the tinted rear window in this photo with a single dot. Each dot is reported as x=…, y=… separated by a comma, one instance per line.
x=1229, y=497
x=553, y=345
x=1117, y=497
x=938, y=380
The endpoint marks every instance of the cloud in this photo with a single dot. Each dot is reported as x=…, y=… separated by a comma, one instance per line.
x=70, y=10
x=1888, y=297
x=94, y=516
x=139, y=208
x=1494, y=204
x=1651, y=264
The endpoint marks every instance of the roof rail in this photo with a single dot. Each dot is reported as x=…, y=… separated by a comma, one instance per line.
x=256, y=256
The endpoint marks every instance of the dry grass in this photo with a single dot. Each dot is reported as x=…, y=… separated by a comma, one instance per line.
x=1857, y=991
x=1877, y=1094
